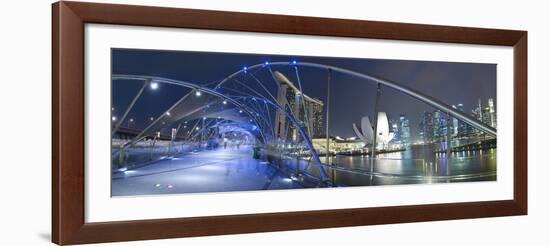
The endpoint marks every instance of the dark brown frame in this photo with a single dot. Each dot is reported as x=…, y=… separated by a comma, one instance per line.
x=68, y=224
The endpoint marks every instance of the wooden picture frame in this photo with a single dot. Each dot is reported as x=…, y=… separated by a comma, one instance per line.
x=68, y=123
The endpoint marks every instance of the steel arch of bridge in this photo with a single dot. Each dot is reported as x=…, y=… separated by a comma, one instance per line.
x=187, y=85
x=213, y=92
x=254, y=113
x=377, y=80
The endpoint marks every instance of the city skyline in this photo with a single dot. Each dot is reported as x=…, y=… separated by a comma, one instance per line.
x=478, y=79
x=185, y=122
x=434, y=124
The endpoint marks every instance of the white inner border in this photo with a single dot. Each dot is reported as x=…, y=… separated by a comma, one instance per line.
x=100, y=207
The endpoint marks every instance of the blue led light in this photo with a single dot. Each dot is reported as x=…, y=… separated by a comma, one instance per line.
x=245, y=68
x=266, y=63
x=294, y=62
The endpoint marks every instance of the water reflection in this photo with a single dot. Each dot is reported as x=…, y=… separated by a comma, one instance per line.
x=416, y=165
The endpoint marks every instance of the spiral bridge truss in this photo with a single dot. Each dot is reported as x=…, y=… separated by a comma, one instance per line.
x=254, y=101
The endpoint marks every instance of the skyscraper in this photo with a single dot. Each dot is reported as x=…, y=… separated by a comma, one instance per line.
x=477, y=113
x=441, y=126
x=394, y=126
x=426, y=127
x=486, y=114
x=459, y=127
x=492, y=112
x=462, y=126
x=316, y=118
x=438, y=124
x=454, y=132
x=404, y=130
x=307, y=111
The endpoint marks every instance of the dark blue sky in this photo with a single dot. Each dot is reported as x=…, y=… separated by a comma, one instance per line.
x=352, y=98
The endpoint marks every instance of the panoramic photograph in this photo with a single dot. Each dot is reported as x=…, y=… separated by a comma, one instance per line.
x=194, y=122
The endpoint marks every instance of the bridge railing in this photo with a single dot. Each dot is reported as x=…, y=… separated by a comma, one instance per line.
x=303, y=149
x=146, y=152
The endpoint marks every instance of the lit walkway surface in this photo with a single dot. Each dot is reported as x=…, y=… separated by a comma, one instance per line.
x=205, y=171
x=234, y=169
x=174, y=136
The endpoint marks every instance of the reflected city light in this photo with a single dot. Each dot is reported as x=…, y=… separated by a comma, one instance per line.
x=312, y=129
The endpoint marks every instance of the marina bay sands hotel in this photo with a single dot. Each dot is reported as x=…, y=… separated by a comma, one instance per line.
x=307, y=111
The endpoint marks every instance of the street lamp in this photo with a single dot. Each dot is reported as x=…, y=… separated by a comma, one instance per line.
x=198, y=93
x=154, y=85
x=113, y=118
x=131, y=120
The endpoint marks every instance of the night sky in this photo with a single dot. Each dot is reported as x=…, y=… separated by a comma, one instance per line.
x=351, y=98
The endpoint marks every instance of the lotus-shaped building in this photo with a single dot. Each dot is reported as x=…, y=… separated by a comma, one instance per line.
x=366, y=133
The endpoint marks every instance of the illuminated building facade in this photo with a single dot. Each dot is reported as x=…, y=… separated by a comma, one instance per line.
x=307, y=111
